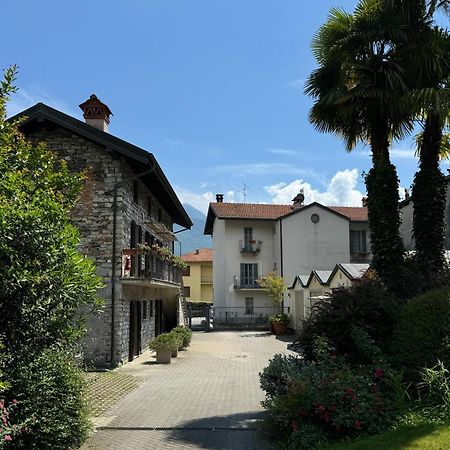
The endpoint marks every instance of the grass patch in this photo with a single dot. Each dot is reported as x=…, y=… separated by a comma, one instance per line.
x=406, y=437
x=103, y=389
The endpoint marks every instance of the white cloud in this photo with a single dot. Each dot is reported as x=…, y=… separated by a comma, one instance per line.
x=282, y=151
x=198, y=201
x=266, y=168
x=398, y=153
x=341, y=190
x=229, y=197
x=24, y=98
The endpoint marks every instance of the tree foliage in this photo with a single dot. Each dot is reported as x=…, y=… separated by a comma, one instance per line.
x=44, y=279
x=274, y=286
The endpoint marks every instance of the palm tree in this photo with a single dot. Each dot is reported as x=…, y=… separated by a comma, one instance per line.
x=360, y=94
x=426, y=56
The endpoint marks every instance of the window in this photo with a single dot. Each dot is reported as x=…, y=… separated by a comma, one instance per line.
x=187, y=271
x=187, y=291
x=358, y=242
x=249, y=275
x=133, y=234
x=249, y=305
x=151, y=308
x=248, y=238
x=136, y=191
x=144, y=310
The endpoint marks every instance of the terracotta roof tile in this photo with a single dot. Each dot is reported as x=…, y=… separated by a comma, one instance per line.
x=203, y=255
x=272, y=212
x=356, y=213
x=249, y=210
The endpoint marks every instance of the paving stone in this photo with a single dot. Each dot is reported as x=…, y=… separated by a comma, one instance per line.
x=207, y=398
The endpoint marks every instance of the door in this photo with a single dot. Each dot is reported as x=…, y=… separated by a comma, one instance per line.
x=135, y=330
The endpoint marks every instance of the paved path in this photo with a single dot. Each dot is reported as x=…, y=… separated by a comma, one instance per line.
x=208, y=398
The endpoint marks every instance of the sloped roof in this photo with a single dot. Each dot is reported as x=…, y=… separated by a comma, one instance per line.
x=140, y=160
x=259, y=211
x=200, y=255
x=323, y=275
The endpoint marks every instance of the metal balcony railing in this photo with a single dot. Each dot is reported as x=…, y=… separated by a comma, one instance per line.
x=247, y=246
x=139, y=265
x=245, y=283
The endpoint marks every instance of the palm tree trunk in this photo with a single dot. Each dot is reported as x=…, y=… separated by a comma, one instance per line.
x=429, y=199
x=383, y=211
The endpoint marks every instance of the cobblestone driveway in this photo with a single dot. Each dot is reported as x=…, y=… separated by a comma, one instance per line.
x=208, y=398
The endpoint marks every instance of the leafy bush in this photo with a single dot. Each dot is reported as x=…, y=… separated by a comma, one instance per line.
x=186, y=335
x=50, y=390
x=165, y=341
x=279, y=318
x=275, y=377
x=366, y=305
x=421, y=336
x=326, y=399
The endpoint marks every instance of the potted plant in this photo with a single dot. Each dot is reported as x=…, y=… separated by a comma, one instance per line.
x=279, y=323
x=273, y=285
x=186, y=336
x=178, y=343
x=163, y=345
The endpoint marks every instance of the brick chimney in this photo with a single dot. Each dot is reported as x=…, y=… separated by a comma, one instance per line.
x=96, y=113
x=298, y=200
x=219, y=198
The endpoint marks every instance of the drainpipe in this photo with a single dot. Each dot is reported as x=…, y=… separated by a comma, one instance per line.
x=116, y=186
x=281, y=255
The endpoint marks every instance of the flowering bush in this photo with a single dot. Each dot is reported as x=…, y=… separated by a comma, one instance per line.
x=8, y=430
x=163, y=253
x=328, y=399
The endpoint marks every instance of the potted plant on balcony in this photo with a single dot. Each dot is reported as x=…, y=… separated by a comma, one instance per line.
x=163, y=345
x=273, y=285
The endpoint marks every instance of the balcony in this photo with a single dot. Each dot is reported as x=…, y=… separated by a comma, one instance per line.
x=252, y=246
x=247, y=283
x=139, y=265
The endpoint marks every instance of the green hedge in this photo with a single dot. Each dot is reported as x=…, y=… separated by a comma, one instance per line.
x=421, y=336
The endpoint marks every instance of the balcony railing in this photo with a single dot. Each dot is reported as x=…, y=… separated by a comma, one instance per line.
x=136, y=264
x=245, y=283
x=246, y=246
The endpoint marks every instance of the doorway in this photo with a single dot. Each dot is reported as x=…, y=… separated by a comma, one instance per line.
x=135, y=330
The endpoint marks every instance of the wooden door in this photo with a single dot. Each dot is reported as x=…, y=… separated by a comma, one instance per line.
x=135, y=330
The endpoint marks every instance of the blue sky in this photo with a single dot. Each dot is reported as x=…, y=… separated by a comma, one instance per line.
x=212, y=88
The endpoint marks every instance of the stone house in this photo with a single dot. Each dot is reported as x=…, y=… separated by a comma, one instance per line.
x=250, y=240
x=198, y=276
x=126, y=200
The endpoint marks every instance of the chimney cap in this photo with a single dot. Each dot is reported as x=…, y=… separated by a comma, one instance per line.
x=219, y=198
x=93, y=108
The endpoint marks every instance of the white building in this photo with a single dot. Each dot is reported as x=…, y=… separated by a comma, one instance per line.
x=250, y=240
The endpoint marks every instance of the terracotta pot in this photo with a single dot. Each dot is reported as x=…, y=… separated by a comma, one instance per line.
x=280, y=328
x=272, y=329
x=163, y=356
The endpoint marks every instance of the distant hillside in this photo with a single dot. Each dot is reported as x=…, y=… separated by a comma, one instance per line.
x=193, y=238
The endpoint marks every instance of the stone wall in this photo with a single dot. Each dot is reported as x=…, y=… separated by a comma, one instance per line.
x=93, y=216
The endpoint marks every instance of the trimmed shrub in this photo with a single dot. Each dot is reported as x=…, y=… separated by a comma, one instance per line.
x=185, y=333
x=50, y=389
x=365, y=305
x=422, y=334
x=165, y=341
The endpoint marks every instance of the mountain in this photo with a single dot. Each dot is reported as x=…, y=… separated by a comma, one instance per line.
x=193, y=238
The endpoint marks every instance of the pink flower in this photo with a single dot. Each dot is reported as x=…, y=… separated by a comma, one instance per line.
x=349, y=391
x=378, y=372
x=294, y=426
x=357, y=424
x=303, y=412
x=8, y=437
